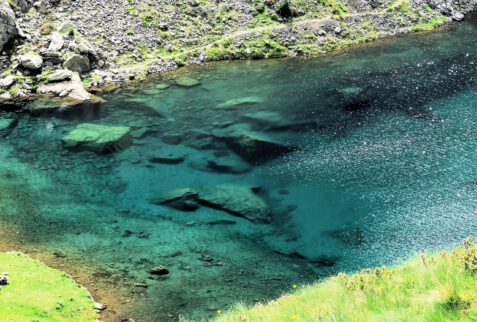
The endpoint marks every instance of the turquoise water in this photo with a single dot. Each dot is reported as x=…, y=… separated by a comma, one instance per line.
x=384, y=167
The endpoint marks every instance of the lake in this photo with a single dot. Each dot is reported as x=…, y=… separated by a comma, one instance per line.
x=297, y=168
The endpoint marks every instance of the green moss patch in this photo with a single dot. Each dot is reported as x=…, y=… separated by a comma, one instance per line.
x=36, y=292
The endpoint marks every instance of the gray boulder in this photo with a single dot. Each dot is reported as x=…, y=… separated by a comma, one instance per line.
x=32, y=62
x=7, y=82
x=56, y=42
x=237, y=200
x=60, y=75
x=22, y=4
x=8, y=29
x=98, y=138
x=184, y=199
x=77, y=63
x=72, y=89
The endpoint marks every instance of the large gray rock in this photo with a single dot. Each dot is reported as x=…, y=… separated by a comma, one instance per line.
x=77, y=63
x=21, y=4
x=237, y=200
x=32, y=62
x=72, y=88
x=8, y=28
x=98, y=138
x=6, y=82
x=60, y=75
x=56, y=42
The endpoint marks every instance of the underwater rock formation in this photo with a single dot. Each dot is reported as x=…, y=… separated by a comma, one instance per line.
x=237, y=200
x=184, y=199
x=98, y=138
x=255, y=147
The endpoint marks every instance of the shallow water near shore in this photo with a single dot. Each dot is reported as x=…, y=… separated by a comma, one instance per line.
x=384, y=167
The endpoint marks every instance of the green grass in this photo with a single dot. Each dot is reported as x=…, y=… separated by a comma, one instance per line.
x=38, y=293
x=440, y=287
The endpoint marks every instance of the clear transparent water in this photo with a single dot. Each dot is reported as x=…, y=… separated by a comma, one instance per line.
x=386, y=168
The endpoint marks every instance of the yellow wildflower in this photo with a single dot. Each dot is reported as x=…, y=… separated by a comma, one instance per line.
x=219, y=312
x=293, y=317
x=294, y=286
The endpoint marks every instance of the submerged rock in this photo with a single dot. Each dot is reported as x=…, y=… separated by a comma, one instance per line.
x=237, y=200
x=187, y=82
x=249, y=100
x=7, y=125
x=98, y=138
x=255, y=147
x=353, y=237
x=226, y=164
x=159, y=270
x=184, y=199
x=264, y=118
x=170, y=158
x=162, y=86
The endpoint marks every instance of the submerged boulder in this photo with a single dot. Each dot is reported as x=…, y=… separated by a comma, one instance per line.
x=228, y=164
x=168, y=158
x=184, y=199
x=187, y=82
x=255, y=147
x=235, y=102
x=7, y=125
x=237, y=200
x=98, y=138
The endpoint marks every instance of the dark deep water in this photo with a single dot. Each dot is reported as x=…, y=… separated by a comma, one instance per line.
x=386, y=167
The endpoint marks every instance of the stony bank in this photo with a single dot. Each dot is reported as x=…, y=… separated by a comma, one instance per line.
x=61, y=47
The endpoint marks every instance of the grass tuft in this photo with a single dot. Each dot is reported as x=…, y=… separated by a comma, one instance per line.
x=36, y=292
x=438, y=287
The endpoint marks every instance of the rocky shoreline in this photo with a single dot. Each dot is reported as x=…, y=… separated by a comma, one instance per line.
x=65, y=48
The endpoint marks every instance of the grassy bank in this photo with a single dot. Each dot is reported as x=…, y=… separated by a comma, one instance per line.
x=36, y=292
x=439, y=287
